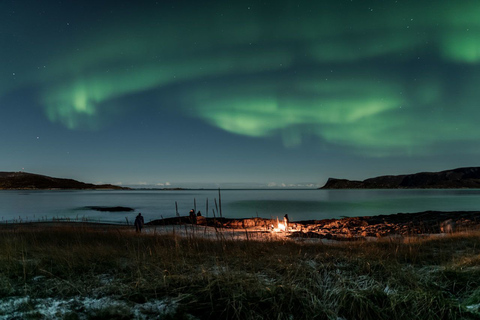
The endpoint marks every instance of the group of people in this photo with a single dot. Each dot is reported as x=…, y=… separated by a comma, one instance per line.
x=193, y=216
x=139, y=221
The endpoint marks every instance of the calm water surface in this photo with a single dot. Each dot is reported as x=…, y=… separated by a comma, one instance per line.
x=299, y=204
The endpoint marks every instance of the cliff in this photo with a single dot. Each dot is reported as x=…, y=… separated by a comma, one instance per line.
x=448, y=179
x=24, y=180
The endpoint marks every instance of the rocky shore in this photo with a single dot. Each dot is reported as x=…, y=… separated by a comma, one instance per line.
x=401, y=224
x=355, y=228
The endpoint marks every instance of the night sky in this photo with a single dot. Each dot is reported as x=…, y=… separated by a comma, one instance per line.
x=238, y=93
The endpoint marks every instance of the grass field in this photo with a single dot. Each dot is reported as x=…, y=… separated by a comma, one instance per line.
x=78, y=272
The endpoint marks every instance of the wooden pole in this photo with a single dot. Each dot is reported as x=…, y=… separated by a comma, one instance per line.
x=220, y=202
x=206, y=208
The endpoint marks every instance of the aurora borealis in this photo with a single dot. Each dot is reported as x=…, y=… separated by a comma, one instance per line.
x=232, y=91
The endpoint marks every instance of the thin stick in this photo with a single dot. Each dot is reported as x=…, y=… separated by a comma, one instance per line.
x=206, y=221
x=220, y=202
x=206, y=207
x=214, y=221
x=216, y=207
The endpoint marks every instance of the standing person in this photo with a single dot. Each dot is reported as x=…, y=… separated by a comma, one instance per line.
x=193, y=217
x=139, y=223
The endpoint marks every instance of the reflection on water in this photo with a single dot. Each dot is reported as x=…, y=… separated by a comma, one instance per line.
x=298, y=204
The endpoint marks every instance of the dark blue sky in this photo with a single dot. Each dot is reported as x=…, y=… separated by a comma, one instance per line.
x=238, y=93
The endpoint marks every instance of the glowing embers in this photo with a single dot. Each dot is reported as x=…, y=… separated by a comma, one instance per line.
x=282, y=226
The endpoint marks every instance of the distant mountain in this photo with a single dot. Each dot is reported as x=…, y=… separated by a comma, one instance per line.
x=449, y=179
x=24, y=180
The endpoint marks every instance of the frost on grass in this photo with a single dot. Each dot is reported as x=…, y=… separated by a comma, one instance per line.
x=474, y=307
x=83, y=307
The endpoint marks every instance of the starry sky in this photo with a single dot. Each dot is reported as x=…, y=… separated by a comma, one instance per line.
x=238, y=93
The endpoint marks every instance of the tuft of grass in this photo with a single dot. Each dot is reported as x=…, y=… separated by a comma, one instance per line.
x=115, y=312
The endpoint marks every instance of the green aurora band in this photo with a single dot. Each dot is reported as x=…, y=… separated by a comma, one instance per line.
x=381, y=77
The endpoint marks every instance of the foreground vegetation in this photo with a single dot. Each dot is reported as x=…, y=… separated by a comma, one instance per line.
x=199, y=278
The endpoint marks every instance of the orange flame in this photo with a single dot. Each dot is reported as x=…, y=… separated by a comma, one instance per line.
x=281, y=227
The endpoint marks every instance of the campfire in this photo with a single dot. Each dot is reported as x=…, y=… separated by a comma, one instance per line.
x=282, y=226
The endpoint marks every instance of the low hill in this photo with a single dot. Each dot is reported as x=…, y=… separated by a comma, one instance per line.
x=448, y=179
x=24, y=180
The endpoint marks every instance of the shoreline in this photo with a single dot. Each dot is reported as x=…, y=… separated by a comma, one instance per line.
x=349, y=228
x=343, y=229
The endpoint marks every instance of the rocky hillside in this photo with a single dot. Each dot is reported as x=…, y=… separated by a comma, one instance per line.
x=449, y=179
x=24, y=180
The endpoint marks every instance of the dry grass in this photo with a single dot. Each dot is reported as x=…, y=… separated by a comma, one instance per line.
x=413, y=278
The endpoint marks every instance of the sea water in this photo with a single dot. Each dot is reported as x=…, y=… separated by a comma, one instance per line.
x=312, y=204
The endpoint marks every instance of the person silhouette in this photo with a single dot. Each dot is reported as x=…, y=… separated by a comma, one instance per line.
x=193, y=217
x=139, y=223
